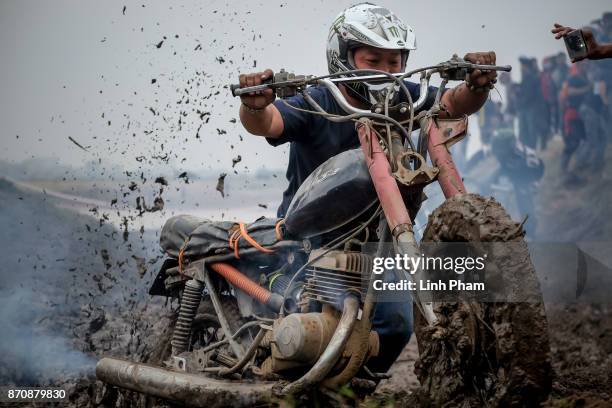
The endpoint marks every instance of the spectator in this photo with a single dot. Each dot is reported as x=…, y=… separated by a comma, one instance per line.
x=593, y=113
x=490, y=118
x=550, y=95
x=519, y=164
x=531, y=107
x=605, y=70
x=573, y=93
x=560, y=70
x=511, y=91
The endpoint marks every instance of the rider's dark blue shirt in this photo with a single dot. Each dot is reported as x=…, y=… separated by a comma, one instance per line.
x=314, y=139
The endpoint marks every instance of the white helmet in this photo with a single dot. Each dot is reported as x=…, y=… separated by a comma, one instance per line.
x=366, y=24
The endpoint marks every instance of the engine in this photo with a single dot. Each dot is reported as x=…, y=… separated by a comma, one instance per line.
x=336, y=274
x=300, y=338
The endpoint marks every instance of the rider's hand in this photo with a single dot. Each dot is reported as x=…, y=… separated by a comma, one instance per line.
x=261, y=99
x=593, y=48
x=479, y=80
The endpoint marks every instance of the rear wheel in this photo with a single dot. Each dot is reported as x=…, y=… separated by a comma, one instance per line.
x=484, y=354
x=205, y=329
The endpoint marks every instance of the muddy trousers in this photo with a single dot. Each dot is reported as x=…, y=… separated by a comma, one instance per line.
x=393, y=323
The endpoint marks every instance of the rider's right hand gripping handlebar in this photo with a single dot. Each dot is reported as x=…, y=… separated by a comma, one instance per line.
x=237, y=90
x=283, y=83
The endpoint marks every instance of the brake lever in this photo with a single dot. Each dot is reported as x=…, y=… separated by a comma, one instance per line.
x=289, y=83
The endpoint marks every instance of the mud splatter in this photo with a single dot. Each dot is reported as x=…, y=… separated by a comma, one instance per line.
x=221, y=184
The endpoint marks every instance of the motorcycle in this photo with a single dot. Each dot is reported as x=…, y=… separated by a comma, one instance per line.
x=276, y=308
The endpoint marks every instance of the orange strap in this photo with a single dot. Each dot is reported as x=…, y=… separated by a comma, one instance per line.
x=242, y=232
x=180, y=259
x=277, y=229
x=233, y=242
x=250, y=240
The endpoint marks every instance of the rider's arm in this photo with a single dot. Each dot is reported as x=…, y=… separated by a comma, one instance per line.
x=257, y=114
x=462, y=100
x=268, y=122
x=279, y=123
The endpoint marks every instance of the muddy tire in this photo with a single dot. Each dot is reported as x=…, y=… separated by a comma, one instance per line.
x=162, y=348
x=484, y=354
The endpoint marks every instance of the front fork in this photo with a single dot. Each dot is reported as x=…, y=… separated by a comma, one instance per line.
x=441, y=134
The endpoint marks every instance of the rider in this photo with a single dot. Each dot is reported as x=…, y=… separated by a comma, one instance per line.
x=364, y=36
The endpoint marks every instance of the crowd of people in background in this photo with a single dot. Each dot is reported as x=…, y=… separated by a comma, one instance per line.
x=553, y=99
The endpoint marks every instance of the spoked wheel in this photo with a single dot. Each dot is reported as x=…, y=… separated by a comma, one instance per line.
x=484, y=354
x=219, y=392
x=205, y=329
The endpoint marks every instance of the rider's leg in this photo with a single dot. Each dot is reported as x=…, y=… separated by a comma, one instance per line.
x=393, y=323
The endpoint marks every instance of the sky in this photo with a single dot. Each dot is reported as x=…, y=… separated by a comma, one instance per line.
x=144, y=81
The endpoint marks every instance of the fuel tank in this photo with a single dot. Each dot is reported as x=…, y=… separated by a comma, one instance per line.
x=336, y=193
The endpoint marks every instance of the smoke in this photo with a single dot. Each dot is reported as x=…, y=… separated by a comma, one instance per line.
x=62, y=275
x=35, y=348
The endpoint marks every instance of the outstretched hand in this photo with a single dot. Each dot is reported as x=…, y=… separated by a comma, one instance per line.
x=593, y=48
x=560, y=30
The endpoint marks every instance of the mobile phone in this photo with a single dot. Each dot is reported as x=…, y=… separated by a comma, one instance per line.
x=575, y=44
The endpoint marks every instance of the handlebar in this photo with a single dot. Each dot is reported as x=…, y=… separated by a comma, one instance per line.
x=285, y=84
x=310, y=80
x=453, y=69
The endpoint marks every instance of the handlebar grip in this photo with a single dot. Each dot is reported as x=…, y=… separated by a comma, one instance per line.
x=234, y=87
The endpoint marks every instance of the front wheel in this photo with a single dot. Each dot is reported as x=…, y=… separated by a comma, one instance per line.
x=484, y=354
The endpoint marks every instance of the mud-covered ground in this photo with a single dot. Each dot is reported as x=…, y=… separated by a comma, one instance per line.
x=580, y=333
x=581, y=348
x=73, y=289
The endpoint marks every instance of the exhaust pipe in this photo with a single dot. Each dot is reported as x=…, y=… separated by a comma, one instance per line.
x=185, y=388
x=332, y=352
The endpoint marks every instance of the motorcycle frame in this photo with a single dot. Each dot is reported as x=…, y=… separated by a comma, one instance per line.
x=441, y=134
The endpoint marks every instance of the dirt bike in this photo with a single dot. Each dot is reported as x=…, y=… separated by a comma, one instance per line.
x=276, y=308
